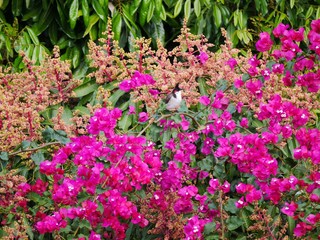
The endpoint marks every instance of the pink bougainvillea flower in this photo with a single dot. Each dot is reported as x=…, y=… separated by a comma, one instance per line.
x=204, y=100
x=213, y=186
x=289, y=208
x=244, y=123
x=184, y=123
x=264, y=43
x=238, y=83
x=138, y=79
x=301, y=229
x=280, y=29
x=232, y=63
x=154, y=92
x=241, y=203
x=132, y=110
x=225, y=187
x=143, y=117
x=203, y=57
x=278, y=68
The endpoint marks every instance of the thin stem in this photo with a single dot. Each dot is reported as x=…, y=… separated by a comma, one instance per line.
x=34, y=149
x=221, y=215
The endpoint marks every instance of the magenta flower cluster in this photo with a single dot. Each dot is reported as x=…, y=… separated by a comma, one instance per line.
x=137, y=80
x=106, y=170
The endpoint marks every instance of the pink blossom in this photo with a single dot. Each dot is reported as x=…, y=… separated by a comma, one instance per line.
x=232, y=63
x=132, y=110
x=244, y=123
x=204, y=100
x=238, y=83
x=213, y=186
x=278, y=68
x=143, y=117
x=138, y=79
x=225, y=187
x=184, y=123
x=241, y=203
x=264, y=43
x=289, y=208
x=301, y=229
x=279, y=30
x=203, y=57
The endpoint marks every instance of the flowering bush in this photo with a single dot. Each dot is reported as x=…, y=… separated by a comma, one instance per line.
x=238, y=160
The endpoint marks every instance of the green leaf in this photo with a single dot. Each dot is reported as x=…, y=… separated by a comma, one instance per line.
x=33, y=36
x=115, y=96
x=134, y=5
x=16, y=7
x=292, y=3
x=197, y=7
x=4, y=156
x=150, y=11
x=233, y=222
x=99, y=10
x=116, y=25
x=50, y=135
x=291, y=224
x=25, y=145
x=125, y=121
x=67, y=115
x=76, y=57
x=177, y=8
x=73, y=13
x=45, y=20
x=187, y=9
x=217, y=15
x=92, y=21
x=309, y=12
x=86, y=88
x=230, y=206
x=206, y=164
x=143, y=11
x=210, y=228
x=38, y=157
x=85, y=12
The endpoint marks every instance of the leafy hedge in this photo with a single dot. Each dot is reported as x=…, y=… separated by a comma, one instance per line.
x=36, y=26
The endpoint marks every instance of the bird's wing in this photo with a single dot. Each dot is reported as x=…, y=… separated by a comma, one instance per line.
x=168, y=98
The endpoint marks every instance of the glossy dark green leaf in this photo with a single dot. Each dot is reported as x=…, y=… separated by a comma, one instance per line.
x=16, y=7
x=73, y=13
x=157, y=7
x=116, y=25
x=92, y=21
x=3, y=4
x=94, y=32
x=150, y=11
x=101, y=12
x=187, y=9
x=85, y=12
x=44, y=21
x=134, y=5
x=76, y=57
x=33, y=36
x=143, y=11
x=197, y=7
x=217, y=15
x=177, y=8
x=53, y=33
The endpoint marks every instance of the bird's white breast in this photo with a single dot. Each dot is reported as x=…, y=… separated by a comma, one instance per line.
x=174, y=102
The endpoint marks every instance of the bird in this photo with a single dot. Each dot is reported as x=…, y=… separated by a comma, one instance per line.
x=173, y=99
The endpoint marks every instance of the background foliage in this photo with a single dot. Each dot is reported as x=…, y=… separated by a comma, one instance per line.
x=35, y=26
